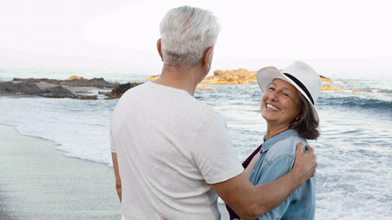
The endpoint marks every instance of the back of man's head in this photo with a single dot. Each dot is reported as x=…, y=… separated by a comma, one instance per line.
x=186, y=33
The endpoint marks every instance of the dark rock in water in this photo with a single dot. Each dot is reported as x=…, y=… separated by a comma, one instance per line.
x=57, y=92
x=19, y=88
x=72, y=88
x=87, y=97
x=53, y=88
x=96, y=82
x=118, y=91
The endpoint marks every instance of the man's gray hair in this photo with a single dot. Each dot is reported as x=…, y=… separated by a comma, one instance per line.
x=186, y=33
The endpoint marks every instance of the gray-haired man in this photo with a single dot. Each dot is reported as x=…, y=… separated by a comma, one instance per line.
x=172, y=152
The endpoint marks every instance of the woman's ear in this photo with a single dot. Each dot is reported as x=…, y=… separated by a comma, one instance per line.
x=298, y=116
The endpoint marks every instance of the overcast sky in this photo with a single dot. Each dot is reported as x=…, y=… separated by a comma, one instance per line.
x=124, y=32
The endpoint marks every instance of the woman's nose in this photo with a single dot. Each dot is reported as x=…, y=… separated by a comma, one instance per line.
x=273, y=96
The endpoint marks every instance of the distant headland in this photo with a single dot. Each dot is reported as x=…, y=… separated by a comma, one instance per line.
x=77, y=87
x=244, y=76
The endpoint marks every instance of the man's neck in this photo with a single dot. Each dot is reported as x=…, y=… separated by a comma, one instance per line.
x=185, y=78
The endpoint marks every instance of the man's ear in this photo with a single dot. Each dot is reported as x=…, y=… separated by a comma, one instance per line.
x=159, y=47
x=207, y=59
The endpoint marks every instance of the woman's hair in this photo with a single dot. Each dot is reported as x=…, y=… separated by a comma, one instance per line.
x=306, y=125
x=186, y=33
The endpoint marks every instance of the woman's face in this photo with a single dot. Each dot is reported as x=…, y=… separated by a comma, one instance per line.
x=281, y=103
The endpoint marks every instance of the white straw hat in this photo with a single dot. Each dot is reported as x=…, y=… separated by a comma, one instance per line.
x=299, y=74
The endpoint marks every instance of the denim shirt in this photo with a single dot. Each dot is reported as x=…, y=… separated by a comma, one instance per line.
x=277, y=158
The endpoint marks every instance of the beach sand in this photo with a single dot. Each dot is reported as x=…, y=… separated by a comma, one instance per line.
x=38, y=182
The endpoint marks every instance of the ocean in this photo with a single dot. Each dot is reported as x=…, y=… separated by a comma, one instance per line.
x=354, y=176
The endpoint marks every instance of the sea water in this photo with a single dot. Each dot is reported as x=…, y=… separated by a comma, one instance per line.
x=354, y=176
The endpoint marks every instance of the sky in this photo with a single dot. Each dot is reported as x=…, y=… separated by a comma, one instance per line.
x=121, y=34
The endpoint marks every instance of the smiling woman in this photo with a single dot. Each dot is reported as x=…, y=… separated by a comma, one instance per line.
x=287, y=108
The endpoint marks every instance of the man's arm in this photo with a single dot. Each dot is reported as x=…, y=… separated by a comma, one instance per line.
x=250, y=201
x=117, y=174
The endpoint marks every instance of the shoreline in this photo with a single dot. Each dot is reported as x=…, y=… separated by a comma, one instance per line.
x=38, y=182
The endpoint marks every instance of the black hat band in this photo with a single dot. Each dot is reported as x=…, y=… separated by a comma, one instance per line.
x=302, y=86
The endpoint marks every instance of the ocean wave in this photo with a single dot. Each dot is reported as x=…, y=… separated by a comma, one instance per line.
x=357, y=102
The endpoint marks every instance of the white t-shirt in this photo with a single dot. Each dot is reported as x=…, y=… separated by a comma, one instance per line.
x=170, y=147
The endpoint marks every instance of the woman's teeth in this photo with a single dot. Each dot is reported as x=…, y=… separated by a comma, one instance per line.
x=272, y=107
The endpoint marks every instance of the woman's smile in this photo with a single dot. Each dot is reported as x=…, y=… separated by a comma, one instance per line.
x=272, y=107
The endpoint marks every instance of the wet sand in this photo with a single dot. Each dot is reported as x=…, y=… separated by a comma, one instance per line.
x=38, y=182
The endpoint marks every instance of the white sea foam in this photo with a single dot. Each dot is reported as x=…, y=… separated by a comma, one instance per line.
x=79, y=127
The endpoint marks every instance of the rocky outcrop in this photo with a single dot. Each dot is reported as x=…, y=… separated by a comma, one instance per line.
x=59, y=92
x=24, y=88
x=153, y=78
x=325, y=79
x=331, y=88
x=51, y=88
x=118, y=91
x=95, y=82
x=76, y=77
x=204, y=88
x=240, y=76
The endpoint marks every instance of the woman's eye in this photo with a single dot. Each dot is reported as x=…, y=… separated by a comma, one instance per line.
x=271, y=88
x=285, y=94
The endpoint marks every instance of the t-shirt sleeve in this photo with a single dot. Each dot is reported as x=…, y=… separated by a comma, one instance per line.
x=213, y=151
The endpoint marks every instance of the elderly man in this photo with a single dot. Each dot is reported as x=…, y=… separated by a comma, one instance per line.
x=172, y=152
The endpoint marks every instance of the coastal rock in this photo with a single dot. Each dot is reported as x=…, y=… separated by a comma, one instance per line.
x=240, y=76
x=325, y=79
x=204, y=88
x=75, y=88
x=87, y=97
x=244, y=76
x=19, y=88
x=57, y=92
x=118, y=91
x=153, y=78
x=95, y=82
x=76, y=78
x=331, y=88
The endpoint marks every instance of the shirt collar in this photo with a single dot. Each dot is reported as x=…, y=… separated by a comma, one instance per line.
x=267, y=144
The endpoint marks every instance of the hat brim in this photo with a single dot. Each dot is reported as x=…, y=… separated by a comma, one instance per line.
x=267, y=74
